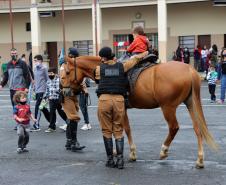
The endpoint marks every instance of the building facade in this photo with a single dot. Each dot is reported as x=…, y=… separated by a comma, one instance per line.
x=37, y=25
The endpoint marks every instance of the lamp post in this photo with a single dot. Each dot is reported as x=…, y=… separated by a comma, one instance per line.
x=63, y=25
x=95, y=25
x=11, y=22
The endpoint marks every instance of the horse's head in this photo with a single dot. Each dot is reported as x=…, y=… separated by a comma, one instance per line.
x=85, y=66
x=74, y=70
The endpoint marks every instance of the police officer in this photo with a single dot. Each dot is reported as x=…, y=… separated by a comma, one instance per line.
x=71, y=108
x=111, y=108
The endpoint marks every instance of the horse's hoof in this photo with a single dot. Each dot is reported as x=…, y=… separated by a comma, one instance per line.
x=132, y=157
x=163, y=155
x=164, y=152
x=199, y=165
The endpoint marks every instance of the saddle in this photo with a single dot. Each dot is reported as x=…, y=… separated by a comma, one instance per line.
x=133, y=74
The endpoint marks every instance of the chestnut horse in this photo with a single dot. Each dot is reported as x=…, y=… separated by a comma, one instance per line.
x=164, y=85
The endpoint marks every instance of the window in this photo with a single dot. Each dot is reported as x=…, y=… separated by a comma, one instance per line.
x=85, y=47
x=28, y=26
x=28, y=46
x=153, y=37
x=189, y=42
x=120, y=43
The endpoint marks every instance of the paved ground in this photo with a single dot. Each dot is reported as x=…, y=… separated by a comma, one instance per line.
x=49, y=163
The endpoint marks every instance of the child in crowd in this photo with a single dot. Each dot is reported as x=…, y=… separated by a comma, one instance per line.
x=22, y=115
x=140, y=43
x=212, y=79
x=53, y=94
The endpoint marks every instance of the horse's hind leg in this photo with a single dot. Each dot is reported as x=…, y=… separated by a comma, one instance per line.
x=170, y=116
x=199, y=162
x=132, y=155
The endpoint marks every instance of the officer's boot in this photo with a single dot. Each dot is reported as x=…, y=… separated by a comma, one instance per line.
x=119, y=148
x=74, y=142
x=109, y=151
x=68, y=136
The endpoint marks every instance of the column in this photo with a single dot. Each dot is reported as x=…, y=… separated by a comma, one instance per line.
x=35, y=29
x=162, y=30
x=96, y=26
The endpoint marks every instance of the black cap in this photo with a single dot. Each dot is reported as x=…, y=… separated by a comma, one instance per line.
x=107, y=53
x=73, y=51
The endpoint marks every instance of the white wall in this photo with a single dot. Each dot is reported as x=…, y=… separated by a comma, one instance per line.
x=183, y=19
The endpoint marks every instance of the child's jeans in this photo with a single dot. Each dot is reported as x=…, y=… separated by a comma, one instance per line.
x=23, y=132
x=53, y=106
x=212, y=88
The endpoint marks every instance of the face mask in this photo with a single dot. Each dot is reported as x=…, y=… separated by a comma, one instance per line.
x=14, y=57
x=23, y=103
x=51, y=77
x=38, y=64
x=224, y=55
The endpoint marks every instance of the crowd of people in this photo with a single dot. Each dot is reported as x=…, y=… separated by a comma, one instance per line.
x=45, y=84
x=212, y=62
x=62, y=95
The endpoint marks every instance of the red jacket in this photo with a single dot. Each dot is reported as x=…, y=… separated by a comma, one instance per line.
x=139, y=45
x=22, y=111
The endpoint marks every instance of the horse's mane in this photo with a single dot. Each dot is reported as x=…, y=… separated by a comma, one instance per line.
x=88, y=61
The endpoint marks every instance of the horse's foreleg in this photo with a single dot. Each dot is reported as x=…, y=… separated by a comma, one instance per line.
x=132, y=155
x=170, y=116
x=199, y=162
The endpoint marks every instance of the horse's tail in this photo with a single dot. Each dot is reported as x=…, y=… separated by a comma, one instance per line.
x=198, y=112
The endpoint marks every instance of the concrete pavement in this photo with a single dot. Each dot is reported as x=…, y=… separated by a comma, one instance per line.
x=49, y=163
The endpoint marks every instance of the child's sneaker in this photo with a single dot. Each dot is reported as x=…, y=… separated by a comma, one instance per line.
x=49, y=130
x=220, y=101
x=19, y=150
x=63, y=127
x=89, y=126
x=84, y=127
x=35, y=128
x=25, y=150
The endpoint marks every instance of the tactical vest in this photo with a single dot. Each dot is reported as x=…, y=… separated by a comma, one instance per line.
x=223, y=67
x=113, y=79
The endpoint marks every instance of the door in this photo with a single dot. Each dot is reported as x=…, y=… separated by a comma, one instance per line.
x=204, y=40
x=52, y=55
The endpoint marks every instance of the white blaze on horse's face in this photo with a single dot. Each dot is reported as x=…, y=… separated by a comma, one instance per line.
x=64, y=79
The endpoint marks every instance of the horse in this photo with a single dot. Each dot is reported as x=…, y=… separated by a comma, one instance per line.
x=165, y=85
